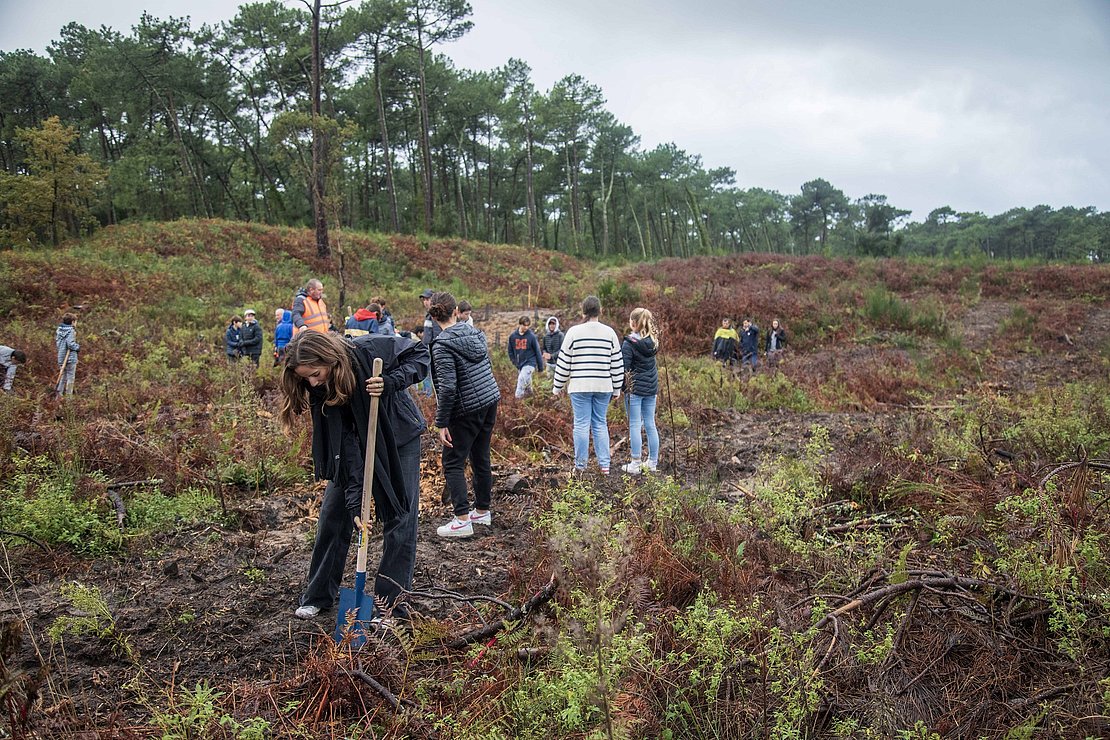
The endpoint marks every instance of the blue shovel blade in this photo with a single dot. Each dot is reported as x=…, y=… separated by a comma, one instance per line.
x=356, y=609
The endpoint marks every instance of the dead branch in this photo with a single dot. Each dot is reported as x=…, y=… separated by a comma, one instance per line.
x=1037, y=698
x=382, y=691
x=443, y=594
x=949, y=583
x=540, y=598
x=29, y=538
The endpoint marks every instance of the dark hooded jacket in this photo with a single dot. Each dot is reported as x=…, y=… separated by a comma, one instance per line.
x=639, y=362
x=552, y=339
x=404, y=362
x=462, y=373
x=251, y=341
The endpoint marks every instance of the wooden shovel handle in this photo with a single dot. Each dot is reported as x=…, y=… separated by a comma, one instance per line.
x=368, y=470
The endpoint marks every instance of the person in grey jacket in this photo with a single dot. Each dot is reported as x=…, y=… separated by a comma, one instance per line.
x=466, y=410
x=551, y=343
x=65, y=339
x=10, y=360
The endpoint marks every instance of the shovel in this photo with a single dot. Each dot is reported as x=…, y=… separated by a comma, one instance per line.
x=61, y=375
x=355, y=608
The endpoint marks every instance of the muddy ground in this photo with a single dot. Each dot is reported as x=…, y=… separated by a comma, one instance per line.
x=215, y=602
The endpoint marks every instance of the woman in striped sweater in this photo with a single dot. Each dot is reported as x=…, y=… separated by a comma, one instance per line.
x=591, y=369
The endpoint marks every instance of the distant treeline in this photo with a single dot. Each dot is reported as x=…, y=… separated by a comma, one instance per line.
x=170, y=121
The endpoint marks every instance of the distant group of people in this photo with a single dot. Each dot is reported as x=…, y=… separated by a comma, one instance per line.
x=737, y=350
x=65, y=342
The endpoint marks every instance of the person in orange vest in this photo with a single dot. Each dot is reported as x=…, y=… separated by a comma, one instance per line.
x=309, y=309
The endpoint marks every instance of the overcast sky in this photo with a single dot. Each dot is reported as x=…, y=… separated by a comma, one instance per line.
x=981, y=105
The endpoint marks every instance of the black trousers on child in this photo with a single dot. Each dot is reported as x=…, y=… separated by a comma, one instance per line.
x=470, y=437
x=336, y=524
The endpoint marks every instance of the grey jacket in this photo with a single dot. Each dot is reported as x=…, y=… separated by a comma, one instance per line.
x=462, y=373
x=65, y=337
x=10, y=368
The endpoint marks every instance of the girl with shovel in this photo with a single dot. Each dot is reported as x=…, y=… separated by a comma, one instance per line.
x=332, y=378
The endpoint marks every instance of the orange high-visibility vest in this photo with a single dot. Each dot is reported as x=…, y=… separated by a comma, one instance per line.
x=315, y=315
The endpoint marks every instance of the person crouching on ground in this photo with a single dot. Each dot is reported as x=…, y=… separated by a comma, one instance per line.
x=10, y=360
x=524, y=353
x=466, y=409
x=591, y=368
x=639, y=349
x=331, y=377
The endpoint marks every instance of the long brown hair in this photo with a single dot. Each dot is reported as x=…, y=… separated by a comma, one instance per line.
x=643, y=323
x=313, y=349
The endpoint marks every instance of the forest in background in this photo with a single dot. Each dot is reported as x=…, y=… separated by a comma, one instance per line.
x=358, y=105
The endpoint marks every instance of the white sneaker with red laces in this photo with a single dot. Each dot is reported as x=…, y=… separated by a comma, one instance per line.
x=456, y=528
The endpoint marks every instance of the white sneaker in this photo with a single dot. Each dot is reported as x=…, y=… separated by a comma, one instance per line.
x=308, y=611
x=476, y=518
x=651, y=467
x=456, y=528
x=632, y=468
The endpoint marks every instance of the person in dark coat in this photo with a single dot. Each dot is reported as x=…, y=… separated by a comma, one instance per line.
x=331, y=377
x=466, y=409
x=551, y=343
x=639, y=349
x=233, y=339
x=775, y=344
x=525, y=354
x=251, y=336
x=726, y=342
x=749, y=345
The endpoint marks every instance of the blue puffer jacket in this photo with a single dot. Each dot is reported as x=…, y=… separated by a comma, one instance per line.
x=462, y=373
x=283, y=332
x=639, y=362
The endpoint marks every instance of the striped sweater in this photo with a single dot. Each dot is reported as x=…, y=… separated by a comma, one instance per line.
x=590, y=360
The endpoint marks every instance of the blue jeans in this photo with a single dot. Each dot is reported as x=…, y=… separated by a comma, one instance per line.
x=590, y=411
x=641, y=414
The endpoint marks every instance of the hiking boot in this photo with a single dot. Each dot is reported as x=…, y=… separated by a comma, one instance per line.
x=456, y=528
x=476, y=518
x=632, y=468
x=306, y=611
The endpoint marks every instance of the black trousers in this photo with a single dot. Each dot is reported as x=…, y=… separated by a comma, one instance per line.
x=470, y=435
x=336, y=524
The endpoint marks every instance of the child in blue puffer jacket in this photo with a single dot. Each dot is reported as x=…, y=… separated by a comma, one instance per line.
x=283, y=332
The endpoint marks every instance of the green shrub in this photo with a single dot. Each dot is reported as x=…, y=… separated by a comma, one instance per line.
x=41, y=501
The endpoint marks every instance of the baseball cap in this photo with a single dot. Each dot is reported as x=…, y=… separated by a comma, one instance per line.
x=428, y=293
x=249, y=312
